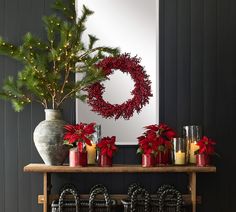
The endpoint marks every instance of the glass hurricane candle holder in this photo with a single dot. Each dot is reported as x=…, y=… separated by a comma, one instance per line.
x=180, y=153
x=92, y=151
x=192, y=134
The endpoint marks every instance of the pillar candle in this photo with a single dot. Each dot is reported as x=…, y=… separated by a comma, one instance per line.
x=193, y=148
x=91, y=154
x=180, y=158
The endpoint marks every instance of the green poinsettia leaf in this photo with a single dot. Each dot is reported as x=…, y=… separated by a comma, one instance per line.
x=139, y=151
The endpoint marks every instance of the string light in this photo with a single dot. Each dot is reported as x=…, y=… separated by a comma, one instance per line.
x=67, y=44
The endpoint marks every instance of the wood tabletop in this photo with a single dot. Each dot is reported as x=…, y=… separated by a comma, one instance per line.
x=117, y=168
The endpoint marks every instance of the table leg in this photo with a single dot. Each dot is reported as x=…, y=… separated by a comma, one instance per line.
x=193, y=190
x=46, y=191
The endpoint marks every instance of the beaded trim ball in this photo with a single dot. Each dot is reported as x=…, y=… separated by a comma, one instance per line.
x=141, y=92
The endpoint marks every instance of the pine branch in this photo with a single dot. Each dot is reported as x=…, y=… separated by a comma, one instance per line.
x=85, y=14
x=9, y=49
x=67, y=9
x=49, y=65
x=92, y=41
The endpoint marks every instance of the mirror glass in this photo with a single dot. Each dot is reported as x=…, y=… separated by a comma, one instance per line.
x=131, y=25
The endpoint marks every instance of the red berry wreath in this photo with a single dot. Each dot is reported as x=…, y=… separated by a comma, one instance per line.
x=141, y=92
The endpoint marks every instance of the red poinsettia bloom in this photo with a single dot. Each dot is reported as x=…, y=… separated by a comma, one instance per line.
x=206, y=146
x=107, y=146
x=79, y=133
x=147, y=144
x=161, y=130
x=156, y=138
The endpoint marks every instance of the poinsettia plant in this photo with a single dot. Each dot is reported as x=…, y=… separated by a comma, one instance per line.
x=156, y=138
x=107, y=146
x=78, y=135
x=206, y=146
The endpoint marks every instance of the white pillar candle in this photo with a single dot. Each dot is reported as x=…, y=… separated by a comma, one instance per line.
x=192, y=156
x=91, y=154
x=179, y=158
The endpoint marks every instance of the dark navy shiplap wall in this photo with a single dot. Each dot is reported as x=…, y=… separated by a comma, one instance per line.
x=197, y=86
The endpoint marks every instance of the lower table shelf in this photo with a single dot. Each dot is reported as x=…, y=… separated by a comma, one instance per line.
x=118, y=197
x=46, y=198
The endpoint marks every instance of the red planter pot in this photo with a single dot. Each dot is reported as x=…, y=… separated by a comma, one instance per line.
x=77, y=158
x=202, y=160
x=148, y=160
x=163, y=158
x=73, y=157
x=83, y=158
x=105, y=161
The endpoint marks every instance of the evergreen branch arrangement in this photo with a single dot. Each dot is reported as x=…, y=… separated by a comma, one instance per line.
x=49, y=65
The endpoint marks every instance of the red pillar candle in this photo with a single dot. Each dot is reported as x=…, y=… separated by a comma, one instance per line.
x=105, y=161
x=148, y=160
x=202, y=160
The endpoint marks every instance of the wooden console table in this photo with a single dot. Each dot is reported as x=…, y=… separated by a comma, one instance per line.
x=46, y=198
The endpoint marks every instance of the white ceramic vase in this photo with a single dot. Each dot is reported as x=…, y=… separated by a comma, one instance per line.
x=48, y=138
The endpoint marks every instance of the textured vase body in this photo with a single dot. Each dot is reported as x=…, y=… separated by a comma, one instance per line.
x=48, y=138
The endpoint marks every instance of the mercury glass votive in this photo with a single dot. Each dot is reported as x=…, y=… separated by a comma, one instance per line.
x=193, y=135
x=180, y=146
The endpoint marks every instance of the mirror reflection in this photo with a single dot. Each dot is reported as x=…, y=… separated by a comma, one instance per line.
x=132, y=26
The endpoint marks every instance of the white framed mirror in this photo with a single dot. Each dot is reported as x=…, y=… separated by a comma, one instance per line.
x=133, y=26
